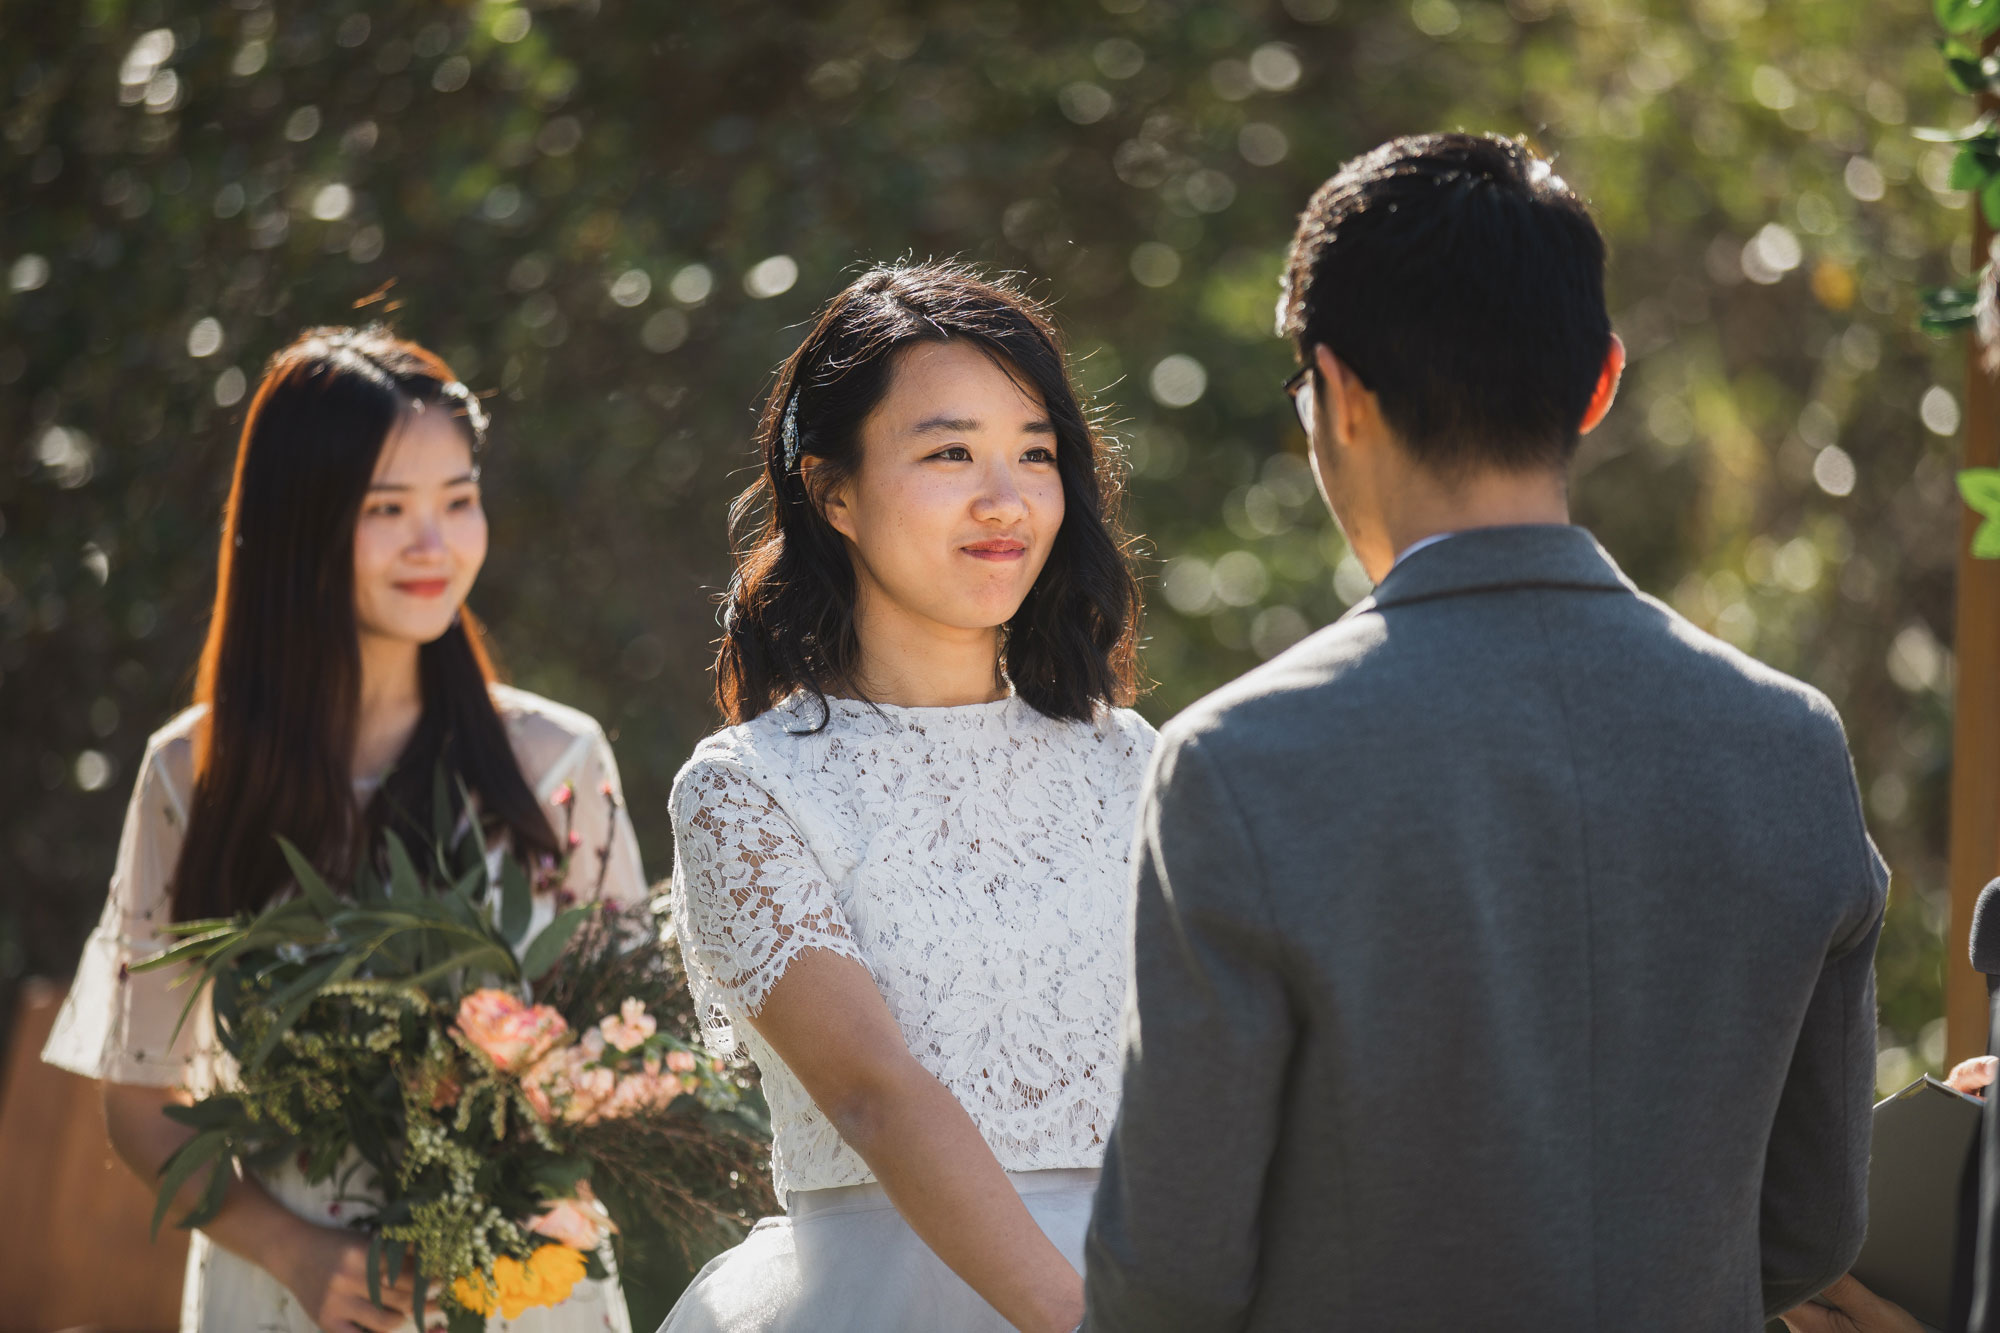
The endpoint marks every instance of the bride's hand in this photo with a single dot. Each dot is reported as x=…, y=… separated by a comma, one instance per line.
x=327, y=1270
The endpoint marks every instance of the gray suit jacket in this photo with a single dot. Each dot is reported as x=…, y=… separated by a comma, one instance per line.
x=1503, y=960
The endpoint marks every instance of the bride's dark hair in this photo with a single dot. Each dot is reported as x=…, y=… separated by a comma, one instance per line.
x=788, y=617
x=281, y=670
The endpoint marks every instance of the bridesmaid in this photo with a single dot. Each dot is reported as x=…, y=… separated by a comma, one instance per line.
x=901, y=873
x=341, y=667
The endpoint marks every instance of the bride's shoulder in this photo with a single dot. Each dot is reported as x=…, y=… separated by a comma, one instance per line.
x=749, y=748
x=1127, y=738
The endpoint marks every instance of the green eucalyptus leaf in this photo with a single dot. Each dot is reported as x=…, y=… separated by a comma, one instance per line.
x=517, y=900
x=209, y=1148
x=1980, y=486
x=376, y=1263
x=310, y=884
x=441, y=820
x=208, y=1113
x=405, y=886
x=547, y=947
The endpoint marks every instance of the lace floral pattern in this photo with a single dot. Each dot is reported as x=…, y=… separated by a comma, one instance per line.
x=974, y=859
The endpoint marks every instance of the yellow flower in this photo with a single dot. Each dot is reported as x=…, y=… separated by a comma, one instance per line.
x=546, y=1278
x=476, y=1293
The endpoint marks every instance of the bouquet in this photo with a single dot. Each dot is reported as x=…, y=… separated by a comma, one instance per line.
x=507, y=1100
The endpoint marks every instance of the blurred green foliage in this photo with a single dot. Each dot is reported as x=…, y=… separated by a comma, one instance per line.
x=615, y=217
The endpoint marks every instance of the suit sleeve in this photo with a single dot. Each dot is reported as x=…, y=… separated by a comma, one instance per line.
x=1815, y=1189
x=1209, y=1030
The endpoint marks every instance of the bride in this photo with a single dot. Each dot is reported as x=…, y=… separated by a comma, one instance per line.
x=901, y=873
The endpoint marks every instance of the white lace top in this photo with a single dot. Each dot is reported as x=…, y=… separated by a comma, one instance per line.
x=120, y=1025
x=973, y=858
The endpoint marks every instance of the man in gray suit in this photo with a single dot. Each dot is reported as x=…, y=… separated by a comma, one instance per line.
x=1504, y=952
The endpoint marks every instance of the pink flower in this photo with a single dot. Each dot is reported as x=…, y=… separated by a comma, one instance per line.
x=563, y=795
x=635, y=1093
x=593, y=1043
x=580, y=1223
x=510, y=1034
x=587, y=1090
x=629, y=1027
x=681, y=1062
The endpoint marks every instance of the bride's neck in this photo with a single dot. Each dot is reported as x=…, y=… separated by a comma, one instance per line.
x=914, y=662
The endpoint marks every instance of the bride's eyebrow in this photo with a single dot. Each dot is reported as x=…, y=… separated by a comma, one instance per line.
x=400, y=486
x=945, y=425
x=969, y=426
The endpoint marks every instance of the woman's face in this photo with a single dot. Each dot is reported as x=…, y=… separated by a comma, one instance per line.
x=956, y=502
x=421, y=537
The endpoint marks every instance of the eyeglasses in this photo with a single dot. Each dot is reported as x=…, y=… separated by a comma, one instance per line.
x=1302, y=403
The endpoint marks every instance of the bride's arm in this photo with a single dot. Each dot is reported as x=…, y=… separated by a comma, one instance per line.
x=325, y=1267
x=829, y=1024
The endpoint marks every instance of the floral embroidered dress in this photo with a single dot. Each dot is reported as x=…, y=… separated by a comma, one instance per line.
x=119, y=1026
x=974, y=859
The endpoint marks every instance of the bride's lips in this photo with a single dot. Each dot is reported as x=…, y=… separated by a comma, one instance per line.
x=999, y=548
x=423, y=587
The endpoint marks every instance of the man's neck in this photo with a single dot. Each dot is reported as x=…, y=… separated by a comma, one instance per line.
x=1426, y=507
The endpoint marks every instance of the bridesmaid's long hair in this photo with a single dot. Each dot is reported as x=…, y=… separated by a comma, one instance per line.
x=281, y=669
x=788, y=617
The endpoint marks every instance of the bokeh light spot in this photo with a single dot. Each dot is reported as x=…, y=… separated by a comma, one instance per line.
x=1178, y=380
x=1939, y=410
x=1833, y=471
x=205, y=338
x=771, y=277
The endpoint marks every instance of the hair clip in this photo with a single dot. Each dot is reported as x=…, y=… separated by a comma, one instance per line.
x=788, y=433
x=475, y=412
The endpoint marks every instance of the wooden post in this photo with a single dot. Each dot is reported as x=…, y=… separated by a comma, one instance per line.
x=1975, y=749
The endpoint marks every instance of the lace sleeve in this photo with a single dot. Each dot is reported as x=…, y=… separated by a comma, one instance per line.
x=749, y=896
x=116, y=1024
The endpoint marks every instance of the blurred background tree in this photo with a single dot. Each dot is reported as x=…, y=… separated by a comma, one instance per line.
x=614, y=219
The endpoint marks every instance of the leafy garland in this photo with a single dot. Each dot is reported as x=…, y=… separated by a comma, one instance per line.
x=1976, y=170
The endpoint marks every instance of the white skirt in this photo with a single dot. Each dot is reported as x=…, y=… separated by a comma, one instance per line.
x=845, y=1259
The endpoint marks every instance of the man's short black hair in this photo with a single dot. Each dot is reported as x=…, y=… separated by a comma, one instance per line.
x=1463, y=282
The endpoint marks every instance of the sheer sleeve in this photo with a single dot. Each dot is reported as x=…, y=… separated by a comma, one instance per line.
x=749, y=896
x=119, y=1025
x=605, y=861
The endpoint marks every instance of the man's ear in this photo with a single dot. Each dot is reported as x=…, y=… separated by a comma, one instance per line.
x=832, y=502
x=1345, y=402
x=1607, y=386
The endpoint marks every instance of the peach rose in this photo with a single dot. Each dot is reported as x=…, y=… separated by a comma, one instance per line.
x=511, y=1034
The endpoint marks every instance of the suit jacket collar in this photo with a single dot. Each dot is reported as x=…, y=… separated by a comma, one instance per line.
x=1493, y=559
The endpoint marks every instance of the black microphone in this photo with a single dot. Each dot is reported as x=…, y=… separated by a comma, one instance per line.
x=1986, y=930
